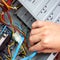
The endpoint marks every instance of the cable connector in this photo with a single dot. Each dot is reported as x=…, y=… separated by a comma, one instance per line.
x=16, y=36
x=14, y=8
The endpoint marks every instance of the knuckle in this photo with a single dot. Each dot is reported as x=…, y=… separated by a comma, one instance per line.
x=37, y=22
x=32, y=31
x=30, y=39
x=45, y=43
x=46, y=32
x=44, y=51
x=32, y=24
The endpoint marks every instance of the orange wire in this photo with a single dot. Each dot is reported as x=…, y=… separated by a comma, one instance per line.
x=1, y=19
x=10, y=19
x=9, y=7
x=9, y=51
x=14, y=27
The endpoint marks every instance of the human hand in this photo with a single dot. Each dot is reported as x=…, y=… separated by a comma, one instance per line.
x=45, y=37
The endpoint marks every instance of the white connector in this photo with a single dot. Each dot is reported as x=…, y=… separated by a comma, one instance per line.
x=17, y=37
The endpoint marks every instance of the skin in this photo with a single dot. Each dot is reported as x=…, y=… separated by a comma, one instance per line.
x=45, y=37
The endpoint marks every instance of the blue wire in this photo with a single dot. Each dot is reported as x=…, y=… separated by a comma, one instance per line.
x=30, y=57
x=3, y=30
x=17, y=49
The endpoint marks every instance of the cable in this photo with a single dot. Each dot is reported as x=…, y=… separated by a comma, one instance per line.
x=2, y=20
x=7, y=57
x=3, y=30
x=1, y=58
x=29, y=57
x=18, y=47
x=1, y=5
x=9, y=46
x=9, y=7
x=5, y=8
x=10, y=18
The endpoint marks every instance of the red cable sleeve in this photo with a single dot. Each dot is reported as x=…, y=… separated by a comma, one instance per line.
x=9, y=2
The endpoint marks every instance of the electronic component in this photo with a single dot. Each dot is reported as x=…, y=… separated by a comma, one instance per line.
x=20, y=40
x=16, y=37
x=25, y=16
x=5, y=36
x=39, y=9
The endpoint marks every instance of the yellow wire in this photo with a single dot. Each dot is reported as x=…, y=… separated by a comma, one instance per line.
x=23, y=50
x=1, y=58
x=9, y=46
x=1, y=4
x=7, y=57
x=9, y=7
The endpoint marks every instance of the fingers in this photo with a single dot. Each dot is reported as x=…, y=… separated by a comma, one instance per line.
x=37, y=35
x=48, y=51
x=35, y=38
x=36, y=47
x=38, y=24
x=37, y=30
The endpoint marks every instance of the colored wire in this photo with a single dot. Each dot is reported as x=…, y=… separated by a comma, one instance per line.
x=1, y=4
x=1, y=58
x=9, y=2
x=7, y=57
x=9, y=52
x=3, y=30
x=10, y=18
x=23, y=50
x=9, y=46
x=30, y=57
x=2, y=19
x=16, y=29
x=9, y=7
x=17, y=49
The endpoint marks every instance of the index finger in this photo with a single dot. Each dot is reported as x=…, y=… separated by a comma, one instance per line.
x=38, y=24
x=36, y=47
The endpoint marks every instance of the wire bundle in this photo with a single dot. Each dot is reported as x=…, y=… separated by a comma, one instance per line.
x=6, y=7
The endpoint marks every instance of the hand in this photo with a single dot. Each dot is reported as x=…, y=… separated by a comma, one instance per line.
x=45, y=37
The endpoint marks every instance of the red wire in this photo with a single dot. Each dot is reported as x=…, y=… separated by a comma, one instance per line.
x=4, y=8
x=9, y=17
x=2, y=15
x=9, y=2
